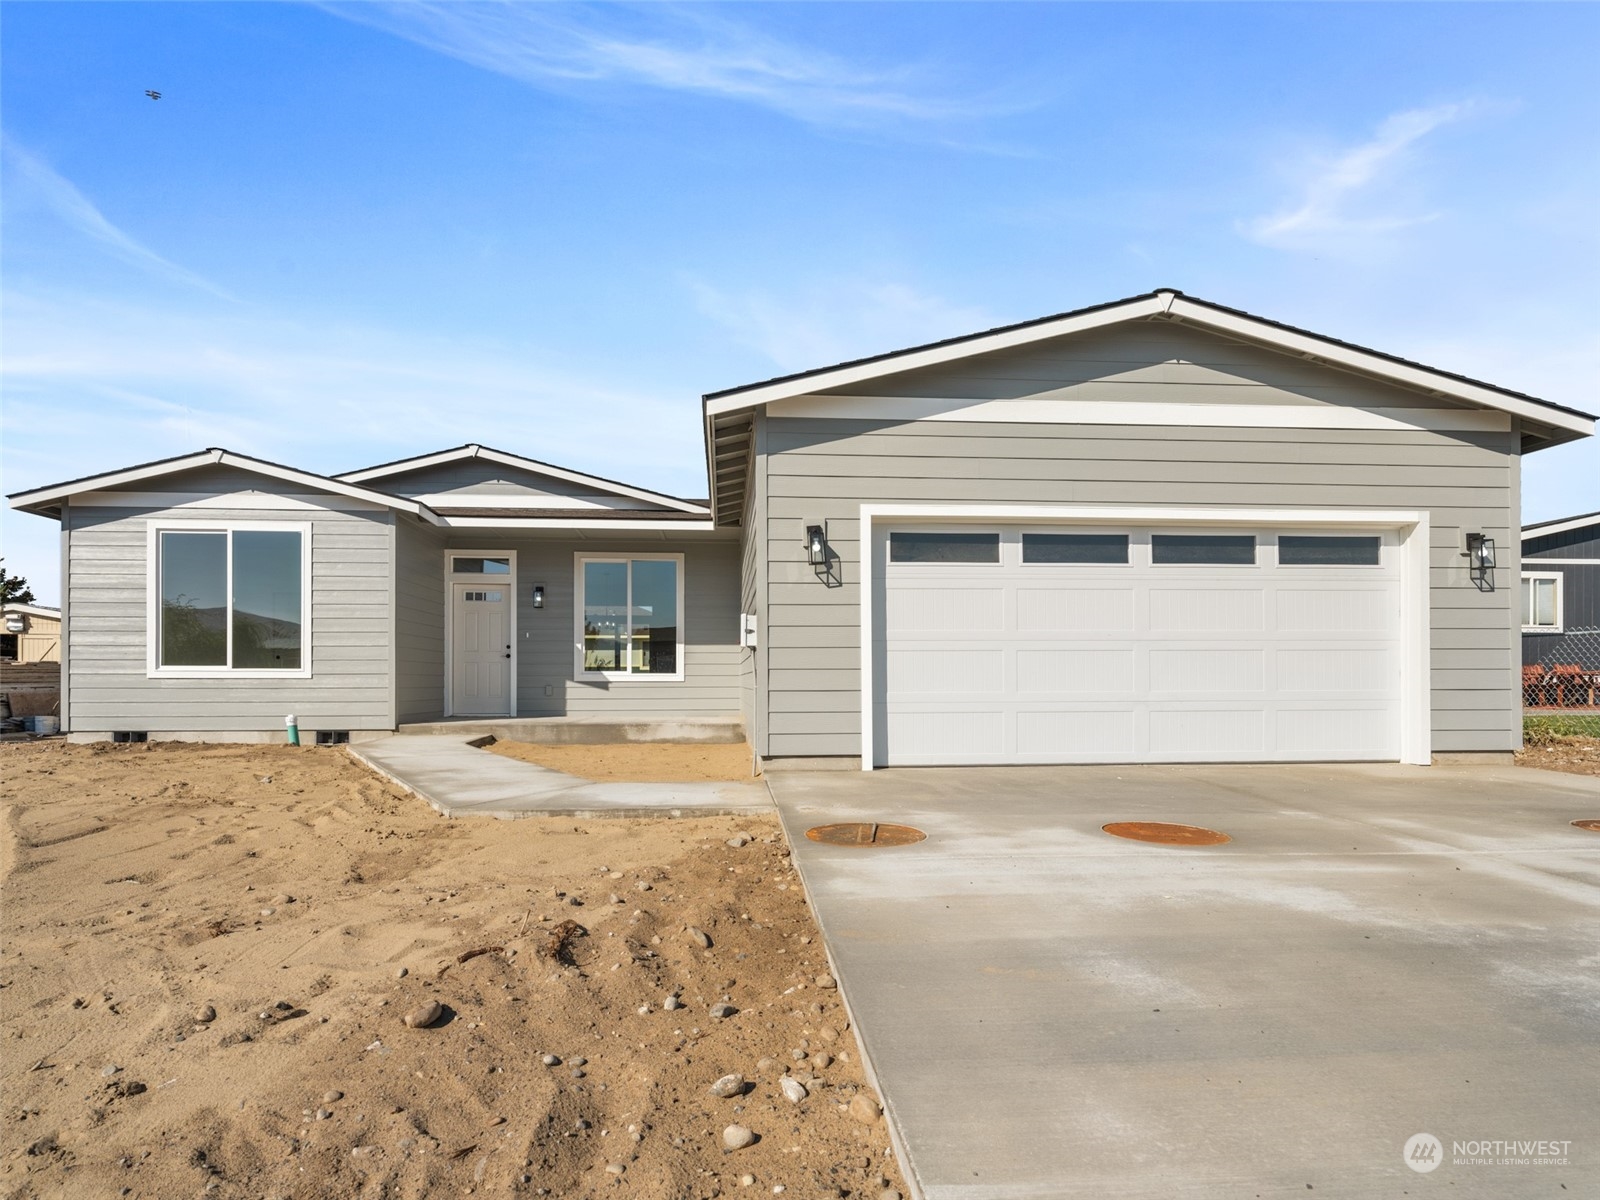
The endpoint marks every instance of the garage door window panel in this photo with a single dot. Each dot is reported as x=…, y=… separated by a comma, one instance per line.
x=1203, y=549
x=931, y=547
x=1305, y=550
x=1076, y=548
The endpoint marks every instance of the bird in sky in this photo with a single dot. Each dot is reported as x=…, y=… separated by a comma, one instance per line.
x=152, y=95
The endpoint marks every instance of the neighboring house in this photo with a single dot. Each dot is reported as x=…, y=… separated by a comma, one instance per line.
x=32, y=633
x=1156, y=530
x=1561, y=593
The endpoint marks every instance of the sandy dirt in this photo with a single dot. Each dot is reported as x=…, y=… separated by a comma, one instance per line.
x=311, y=907
x=1575, y=755
x=639, y=762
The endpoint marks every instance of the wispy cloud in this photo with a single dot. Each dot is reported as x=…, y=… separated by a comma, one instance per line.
x=92, y=383
x=1333, y=187
x=834, y=322
x=690, y=50
x=57, y=194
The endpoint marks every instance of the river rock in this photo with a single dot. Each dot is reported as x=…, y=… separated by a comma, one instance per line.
x=728, y=1087
x=425, y=1015
x=793, y=1090
x=826, y=981
x=737, y=1137
x=205, y=1014
x=721, y=1011
x=865, y=1109
x=700, y=937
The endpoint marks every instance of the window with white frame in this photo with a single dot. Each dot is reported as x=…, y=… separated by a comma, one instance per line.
x=630, y=616
x=1541, y=602
x=229, y=599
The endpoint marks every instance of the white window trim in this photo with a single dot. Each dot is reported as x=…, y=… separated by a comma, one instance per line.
x=579, y=558
x=153, y=531
x=451, y=578
x=1416, y=696
x=1561, y=617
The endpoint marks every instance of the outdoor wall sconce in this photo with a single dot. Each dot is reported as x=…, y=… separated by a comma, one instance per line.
x=816, y=546
x=538, y=595
x=1480, y=561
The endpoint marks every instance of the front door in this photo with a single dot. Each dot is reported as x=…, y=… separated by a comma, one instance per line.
x=480, y=649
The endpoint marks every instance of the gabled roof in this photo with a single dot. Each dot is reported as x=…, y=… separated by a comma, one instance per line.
x=489, y=454
x=46, y=501
x=729, y=437
x=1560, y=525
x=1169, y=304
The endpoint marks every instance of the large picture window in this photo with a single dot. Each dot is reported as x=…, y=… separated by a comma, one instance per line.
x=630, y=620
x=229, y=600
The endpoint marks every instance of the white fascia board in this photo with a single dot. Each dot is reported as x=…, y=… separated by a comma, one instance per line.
x=34, y=610
x=1142, y=514
x=560, y=523
x=111, y=479
x=1529, y=532
x=935, y=355
x=1421, y=378
x=321, y=482
x=225, y=458
x=525, y=464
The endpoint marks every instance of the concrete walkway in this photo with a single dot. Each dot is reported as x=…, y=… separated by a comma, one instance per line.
x=461, y=780
x=1380, y=952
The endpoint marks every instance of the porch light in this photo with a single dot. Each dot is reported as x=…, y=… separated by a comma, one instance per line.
x=1480, y=560
x=816, y=546
x=538, y=595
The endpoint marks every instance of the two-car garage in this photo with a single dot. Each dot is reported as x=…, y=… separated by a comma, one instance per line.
x=1136, y=642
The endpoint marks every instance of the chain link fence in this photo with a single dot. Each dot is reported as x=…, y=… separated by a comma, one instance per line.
x=1567, y=676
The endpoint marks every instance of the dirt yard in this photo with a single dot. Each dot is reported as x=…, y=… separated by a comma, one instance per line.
x=1575, y=755
x=209, y=952
x=640, y=762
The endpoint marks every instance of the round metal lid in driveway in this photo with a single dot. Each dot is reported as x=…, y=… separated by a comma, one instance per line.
x=865, y=833
x=1164, y=834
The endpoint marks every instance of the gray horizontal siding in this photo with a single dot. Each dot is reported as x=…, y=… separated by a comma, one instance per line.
x=419, y=624
x=484, y=477
x=824, y=469
x=1155, y=359
x=545, y=636
x=348, y=626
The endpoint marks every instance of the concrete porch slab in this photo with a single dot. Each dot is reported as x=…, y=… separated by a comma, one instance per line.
x=588, y=730
x=459, y=779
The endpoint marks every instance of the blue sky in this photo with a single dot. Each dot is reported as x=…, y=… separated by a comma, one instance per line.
x=348, y=233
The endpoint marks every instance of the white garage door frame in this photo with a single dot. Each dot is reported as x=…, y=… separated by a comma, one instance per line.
x=1416, y=739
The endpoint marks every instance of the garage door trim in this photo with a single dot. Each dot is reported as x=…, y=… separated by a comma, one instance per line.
x=1411, y=527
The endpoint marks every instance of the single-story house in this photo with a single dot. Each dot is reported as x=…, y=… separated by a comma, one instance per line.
x=1154, y=530
x=31, y=633
x=1560, y=598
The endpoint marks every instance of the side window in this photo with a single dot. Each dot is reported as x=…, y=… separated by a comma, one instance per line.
x=230, y=599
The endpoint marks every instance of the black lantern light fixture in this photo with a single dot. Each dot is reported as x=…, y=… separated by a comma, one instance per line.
x=816, y=545
x=1480, y=561
x=538, y=595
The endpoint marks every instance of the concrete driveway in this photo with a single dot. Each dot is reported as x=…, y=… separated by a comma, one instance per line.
x=1379, y=952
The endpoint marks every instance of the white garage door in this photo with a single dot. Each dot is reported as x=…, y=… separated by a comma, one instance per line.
x=1052, y=645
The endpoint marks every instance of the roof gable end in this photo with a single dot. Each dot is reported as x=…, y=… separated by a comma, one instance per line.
x=377, y=475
